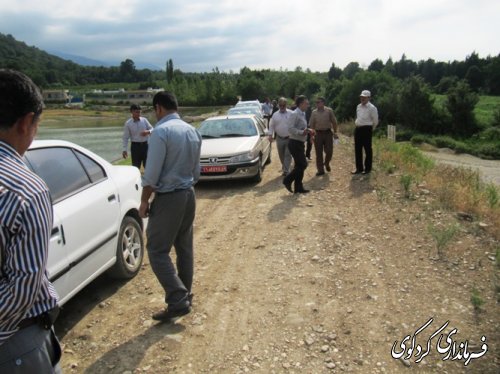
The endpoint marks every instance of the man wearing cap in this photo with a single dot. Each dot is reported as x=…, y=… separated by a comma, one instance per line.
x=366, y=122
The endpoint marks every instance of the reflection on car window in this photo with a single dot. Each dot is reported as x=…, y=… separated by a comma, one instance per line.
x=232, y=127
x=60, y=169
x=94, y=170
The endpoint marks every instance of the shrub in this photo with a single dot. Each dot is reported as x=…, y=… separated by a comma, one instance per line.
x=489, y=151
x=418, y=139
x=444, y=142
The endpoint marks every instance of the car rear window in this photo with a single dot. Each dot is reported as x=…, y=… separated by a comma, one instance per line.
x=228, y=127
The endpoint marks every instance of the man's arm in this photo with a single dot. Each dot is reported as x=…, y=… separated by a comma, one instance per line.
x=28, y=254
x=374, y=115
x=125, y=139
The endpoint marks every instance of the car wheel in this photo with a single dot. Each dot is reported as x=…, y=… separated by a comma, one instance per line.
x=129, y=251
x=258, y=177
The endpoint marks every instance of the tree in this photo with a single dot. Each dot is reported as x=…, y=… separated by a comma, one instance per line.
x=127, y=71
x=416, y=106
x=351, y=69
x=334, y=72
x=376, y=65
x=474, y=77
x=460, y=103
x=170, y=71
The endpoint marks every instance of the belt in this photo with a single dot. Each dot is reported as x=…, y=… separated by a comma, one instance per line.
x=282, y=137
x=176, y=190
x=329, y=130
x=139, y=142
x=45, y=320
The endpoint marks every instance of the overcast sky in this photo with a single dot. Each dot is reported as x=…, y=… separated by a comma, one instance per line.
x=200, y=35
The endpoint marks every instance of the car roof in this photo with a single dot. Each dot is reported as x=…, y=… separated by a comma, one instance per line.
x=232, y=116
x=52, y=143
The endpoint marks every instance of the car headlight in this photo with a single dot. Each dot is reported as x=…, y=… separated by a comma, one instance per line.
x=245, y=157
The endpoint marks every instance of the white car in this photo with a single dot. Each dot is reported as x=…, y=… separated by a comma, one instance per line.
x=96, y=221
x=234, y=146
x=245, y=110
x=250, y=103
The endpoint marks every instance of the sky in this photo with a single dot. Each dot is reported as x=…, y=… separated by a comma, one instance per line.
x=281, y=34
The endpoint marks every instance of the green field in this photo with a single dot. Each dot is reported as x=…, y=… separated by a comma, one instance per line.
x=484, y=110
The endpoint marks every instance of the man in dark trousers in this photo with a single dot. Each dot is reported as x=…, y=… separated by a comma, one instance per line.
x=366, y=122
x=28, y=301
x=297, y=131
x=137, y=129
x=173, y=168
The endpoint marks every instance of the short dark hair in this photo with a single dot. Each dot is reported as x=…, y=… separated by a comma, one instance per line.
x=18, y=97
x=165, y=99
x=300, y=99
x=135, y=107
x=321, y=98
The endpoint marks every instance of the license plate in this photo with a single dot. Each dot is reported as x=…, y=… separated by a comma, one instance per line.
x=213, y=169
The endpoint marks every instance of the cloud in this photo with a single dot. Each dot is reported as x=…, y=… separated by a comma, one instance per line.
x=199, y=35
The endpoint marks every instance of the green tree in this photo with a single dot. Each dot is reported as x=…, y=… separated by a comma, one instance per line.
x=474, y=77
x=334, y=72
x=351, y=69
x=170, y=71
x=127, y=71
x=416, y=106
x=376, y=65
x=460, y=103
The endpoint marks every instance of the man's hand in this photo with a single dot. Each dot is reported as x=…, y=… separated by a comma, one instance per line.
x=144, y=209
x=124, y=154
x=270, y=137
x=335, y=135
x=145, y=132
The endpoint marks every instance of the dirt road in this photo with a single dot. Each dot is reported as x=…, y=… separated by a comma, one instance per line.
x=319, y=283
x=488, y=169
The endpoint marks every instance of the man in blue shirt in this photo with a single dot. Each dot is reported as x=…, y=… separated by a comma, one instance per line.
x=172, y=169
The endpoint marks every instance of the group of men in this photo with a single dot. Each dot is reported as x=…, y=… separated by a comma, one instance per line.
x=28, y=301
x=292, y=132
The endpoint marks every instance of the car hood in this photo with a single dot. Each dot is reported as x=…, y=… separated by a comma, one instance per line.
x=227, y=146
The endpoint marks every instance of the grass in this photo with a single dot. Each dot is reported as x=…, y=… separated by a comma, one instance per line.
x=442, y=236
x=476, y=300
x=484, y=110
x=456, y=189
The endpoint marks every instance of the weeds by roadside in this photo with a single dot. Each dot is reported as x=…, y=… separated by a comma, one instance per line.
x=456, y=189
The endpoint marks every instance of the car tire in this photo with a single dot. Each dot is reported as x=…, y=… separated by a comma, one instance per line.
x=258, y=177
x=129, y=251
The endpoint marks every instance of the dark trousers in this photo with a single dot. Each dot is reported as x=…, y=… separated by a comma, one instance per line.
x=296, y=148
x=139, y=151
x=323, y=142
x=31, y=350
x=308, y=146
x=363, y=140
x=170, y=224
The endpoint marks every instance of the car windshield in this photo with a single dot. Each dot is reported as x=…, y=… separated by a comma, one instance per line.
x=244, y=110
x=227, y=128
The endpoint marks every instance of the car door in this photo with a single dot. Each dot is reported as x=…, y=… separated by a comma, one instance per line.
x=264, y=143
x=87, y=208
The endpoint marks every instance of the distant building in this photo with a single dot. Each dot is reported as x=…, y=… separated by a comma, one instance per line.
x=56, y=96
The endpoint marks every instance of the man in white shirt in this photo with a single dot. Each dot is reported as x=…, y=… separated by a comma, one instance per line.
x=279, y=126
x=137, y=129
x=366, y=122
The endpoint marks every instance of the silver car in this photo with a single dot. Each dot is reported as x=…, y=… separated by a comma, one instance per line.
x=234, y=146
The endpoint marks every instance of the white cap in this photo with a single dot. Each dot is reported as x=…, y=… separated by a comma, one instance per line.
x=365, y=93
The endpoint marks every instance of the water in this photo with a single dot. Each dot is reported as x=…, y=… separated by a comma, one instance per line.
x=104, y=141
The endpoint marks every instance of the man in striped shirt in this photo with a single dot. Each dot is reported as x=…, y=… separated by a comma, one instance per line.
x=28, y=301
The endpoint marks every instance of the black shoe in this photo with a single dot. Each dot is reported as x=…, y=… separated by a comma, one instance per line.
x=356, y=172
x=168, y=314
x=302, y=191
x=319, y=173
x=309, y=158
x=366, y=172
x=328, y=168
x=190, y=299
x=288, y=186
